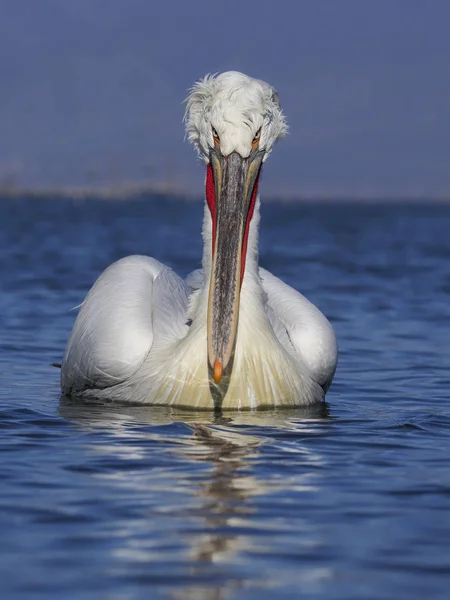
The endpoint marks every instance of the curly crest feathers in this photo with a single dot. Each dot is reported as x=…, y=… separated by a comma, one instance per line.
x=236, y=107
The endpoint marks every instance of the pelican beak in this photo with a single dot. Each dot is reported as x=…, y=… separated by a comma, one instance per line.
x=235, y=186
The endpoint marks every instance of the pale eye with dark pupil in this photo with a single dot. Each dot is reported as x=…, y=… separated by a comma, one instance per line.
x=257, y=136
x=215, y=134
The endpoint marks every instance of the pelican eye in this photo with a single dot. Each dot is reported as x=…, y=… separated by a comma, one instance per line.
x=255, y=140
x=215, y=135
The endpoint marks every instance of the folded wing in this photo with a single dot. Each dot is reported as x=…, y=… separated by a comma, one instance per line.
x=297, y=322
x=133, y=300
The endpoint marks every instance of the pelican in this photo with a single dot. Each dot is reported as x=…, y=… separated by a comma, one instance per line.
x=230, y=336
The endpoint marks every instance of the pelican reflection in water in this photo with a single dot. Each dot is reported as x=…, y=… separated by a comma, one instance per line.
x=198, y=489
x=230, y=336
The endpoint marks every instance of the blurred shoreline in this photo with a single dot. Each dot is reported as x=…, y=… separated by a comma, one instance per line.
x=143, y=191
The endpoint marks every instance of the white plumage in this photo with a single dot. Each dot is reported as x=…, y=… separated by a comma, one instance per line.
x=144, y=335
x=236, y=106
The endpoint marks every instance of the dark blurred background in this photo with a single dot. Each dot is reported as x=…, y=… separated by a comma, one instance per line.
x=92, y=90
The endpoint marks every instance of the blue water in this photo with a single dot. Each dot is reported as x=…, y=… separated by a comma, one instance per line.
x=347, y=500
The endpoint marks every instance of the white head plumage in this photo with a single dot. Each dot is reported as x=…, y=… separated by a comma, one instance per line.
x=238, y=108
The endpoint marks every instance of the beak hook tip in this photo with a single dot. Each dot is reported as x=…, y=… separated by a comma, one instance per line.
x=218, y=370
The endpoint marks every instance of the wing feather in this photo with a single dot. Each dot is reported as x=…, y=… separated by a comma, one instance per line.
x=306, y=328
x=133, y=300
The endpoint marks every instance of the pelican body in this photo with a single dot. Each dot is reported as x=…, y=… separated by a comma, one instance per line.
x=230, y=336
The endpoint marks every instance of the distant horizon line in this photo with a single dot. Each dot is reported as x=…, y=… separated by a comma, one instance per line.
x=139, y=191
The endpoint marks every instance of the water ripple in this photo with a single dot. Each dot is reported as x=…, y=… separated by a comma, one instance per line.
x=345, y=500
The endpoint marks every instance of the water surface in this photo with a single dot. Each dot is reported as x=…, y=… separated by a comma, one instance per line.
x=345, y=500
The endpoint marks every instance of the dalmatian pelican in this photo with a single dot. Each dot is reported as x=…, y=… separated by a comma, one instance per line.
x=230, y=336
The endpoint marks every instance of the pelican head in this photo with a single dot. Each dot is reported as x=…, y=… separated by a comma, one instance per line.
x=233, y=122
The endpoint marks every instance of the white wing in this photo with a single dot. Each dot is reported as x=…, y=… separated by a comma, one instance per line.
x=300, y=324
x=134, y=301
